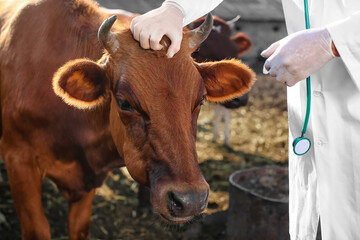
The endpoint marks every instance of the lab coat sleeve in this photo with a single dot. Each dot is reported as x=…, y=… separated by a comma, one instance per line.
x=193, y=9
x=346, y=37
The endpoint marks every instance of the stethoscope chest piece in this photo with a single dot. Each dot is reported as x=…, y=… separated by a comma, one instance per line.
x=301, y=145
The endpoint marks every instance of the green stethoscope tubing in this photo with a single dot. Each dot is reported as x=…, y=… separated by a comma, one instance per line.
x=306, y=143
x=308, y=79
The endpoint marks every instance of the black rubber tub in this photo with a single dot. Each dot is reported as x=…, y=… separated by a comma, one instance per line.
x=258, y=205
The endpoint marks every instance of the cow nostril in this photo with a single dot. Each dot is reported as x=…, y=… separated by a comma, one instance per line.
x=186, y=204
x=174, y=204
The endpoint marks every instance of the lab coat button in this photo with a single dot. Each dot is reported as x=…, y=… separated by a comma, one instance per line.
x=320, y=143
x=317, y=94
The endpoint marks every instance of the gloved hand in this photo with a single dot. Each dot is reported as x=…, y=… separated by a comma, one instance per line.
x=298, y=55
x=150, y=27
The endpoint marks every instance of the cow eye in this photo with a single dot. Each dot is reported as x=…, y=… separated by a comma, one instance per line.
x=203, y=100
x=125, y=105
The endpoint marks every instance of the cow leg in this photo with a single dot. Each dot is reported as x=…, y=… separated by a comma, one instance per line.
x=217, y=122
x=226, y=126
x=79, y=216
x=25, y=180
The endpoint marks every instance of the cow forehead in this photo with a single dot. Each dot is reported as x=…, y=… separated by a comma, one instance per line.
x=150, y=75
x=160, y=82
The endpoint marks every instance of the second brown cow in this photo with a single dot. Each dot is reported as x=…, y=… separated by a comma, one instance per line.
x=220, y=45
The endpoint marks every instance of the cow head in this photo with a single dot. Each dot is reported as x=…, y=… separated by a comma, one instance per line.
x=221, y=44
x=154, y=103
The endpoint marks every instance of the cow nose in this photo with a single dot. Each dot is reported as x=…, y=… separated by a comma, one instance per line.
x=186, y=204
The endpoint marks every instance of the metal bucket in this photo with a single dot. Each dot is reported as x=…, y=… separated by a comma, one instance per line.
x=257, y=208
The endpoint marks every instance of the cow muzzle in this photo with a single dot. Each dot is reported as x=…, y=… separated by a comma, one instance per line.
x=185, y=205
x=179, y=202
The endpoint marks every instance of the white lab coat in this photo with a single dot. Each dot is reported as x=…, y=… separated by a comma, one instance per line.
x=194, y=9
x=326, y=181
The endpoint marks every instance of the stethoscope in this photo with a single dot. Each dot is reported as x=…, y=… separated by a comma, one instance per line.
x=302, y=145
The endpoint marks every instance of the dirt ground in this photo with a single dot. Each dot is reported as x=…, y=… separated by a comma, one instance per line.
x=259, y=135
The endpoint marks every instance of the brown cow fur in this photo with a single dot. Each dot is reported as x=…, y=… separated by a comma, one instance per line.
x=77, y=138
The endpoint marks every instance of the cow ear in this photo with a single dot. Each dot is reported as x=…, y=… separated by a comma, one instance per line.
x=81, y=83
x=243, y=43
x=226, y=79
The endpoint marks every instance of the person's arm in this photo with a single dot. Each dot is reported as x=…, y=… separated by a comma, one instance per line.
x=169, y=19
x=346, y=37
x=300, y=54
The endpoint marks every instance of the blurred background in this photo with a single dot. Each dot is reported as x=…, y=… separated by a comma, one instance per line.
x=258, y=137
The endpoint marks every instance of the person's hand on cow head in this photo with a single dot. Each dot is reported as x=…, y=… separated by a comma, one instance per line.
x=298, y=55
x=150, y=27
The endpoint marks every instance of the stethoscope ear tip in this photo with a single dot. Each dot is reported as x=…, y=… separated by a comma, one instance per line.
x=301, y=145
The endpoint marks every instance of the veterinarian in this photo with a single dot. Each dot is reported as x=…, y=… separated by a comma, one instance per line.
x=324, y=182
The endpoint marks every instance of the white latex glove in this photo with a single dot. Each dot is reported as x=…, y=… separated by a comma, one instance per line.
x=150, y=27
x=298, y=55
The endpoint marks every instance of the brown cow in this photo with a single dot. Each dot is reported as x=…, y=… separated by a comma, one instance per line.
x=132, y=107
x=221, y=44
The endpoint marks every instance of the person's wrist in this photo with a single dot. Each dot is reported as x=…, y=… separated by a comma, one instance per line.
x=174, y=8
x=331, y=46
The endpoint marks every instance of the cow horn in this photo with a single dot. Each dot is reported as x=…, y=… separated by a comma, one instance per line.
x=106, y=37
x=232, y=22
x=199, y=34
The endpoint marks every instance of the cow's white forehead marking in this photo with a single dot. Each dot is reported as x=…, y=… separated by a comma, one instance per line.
x=217, y=28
